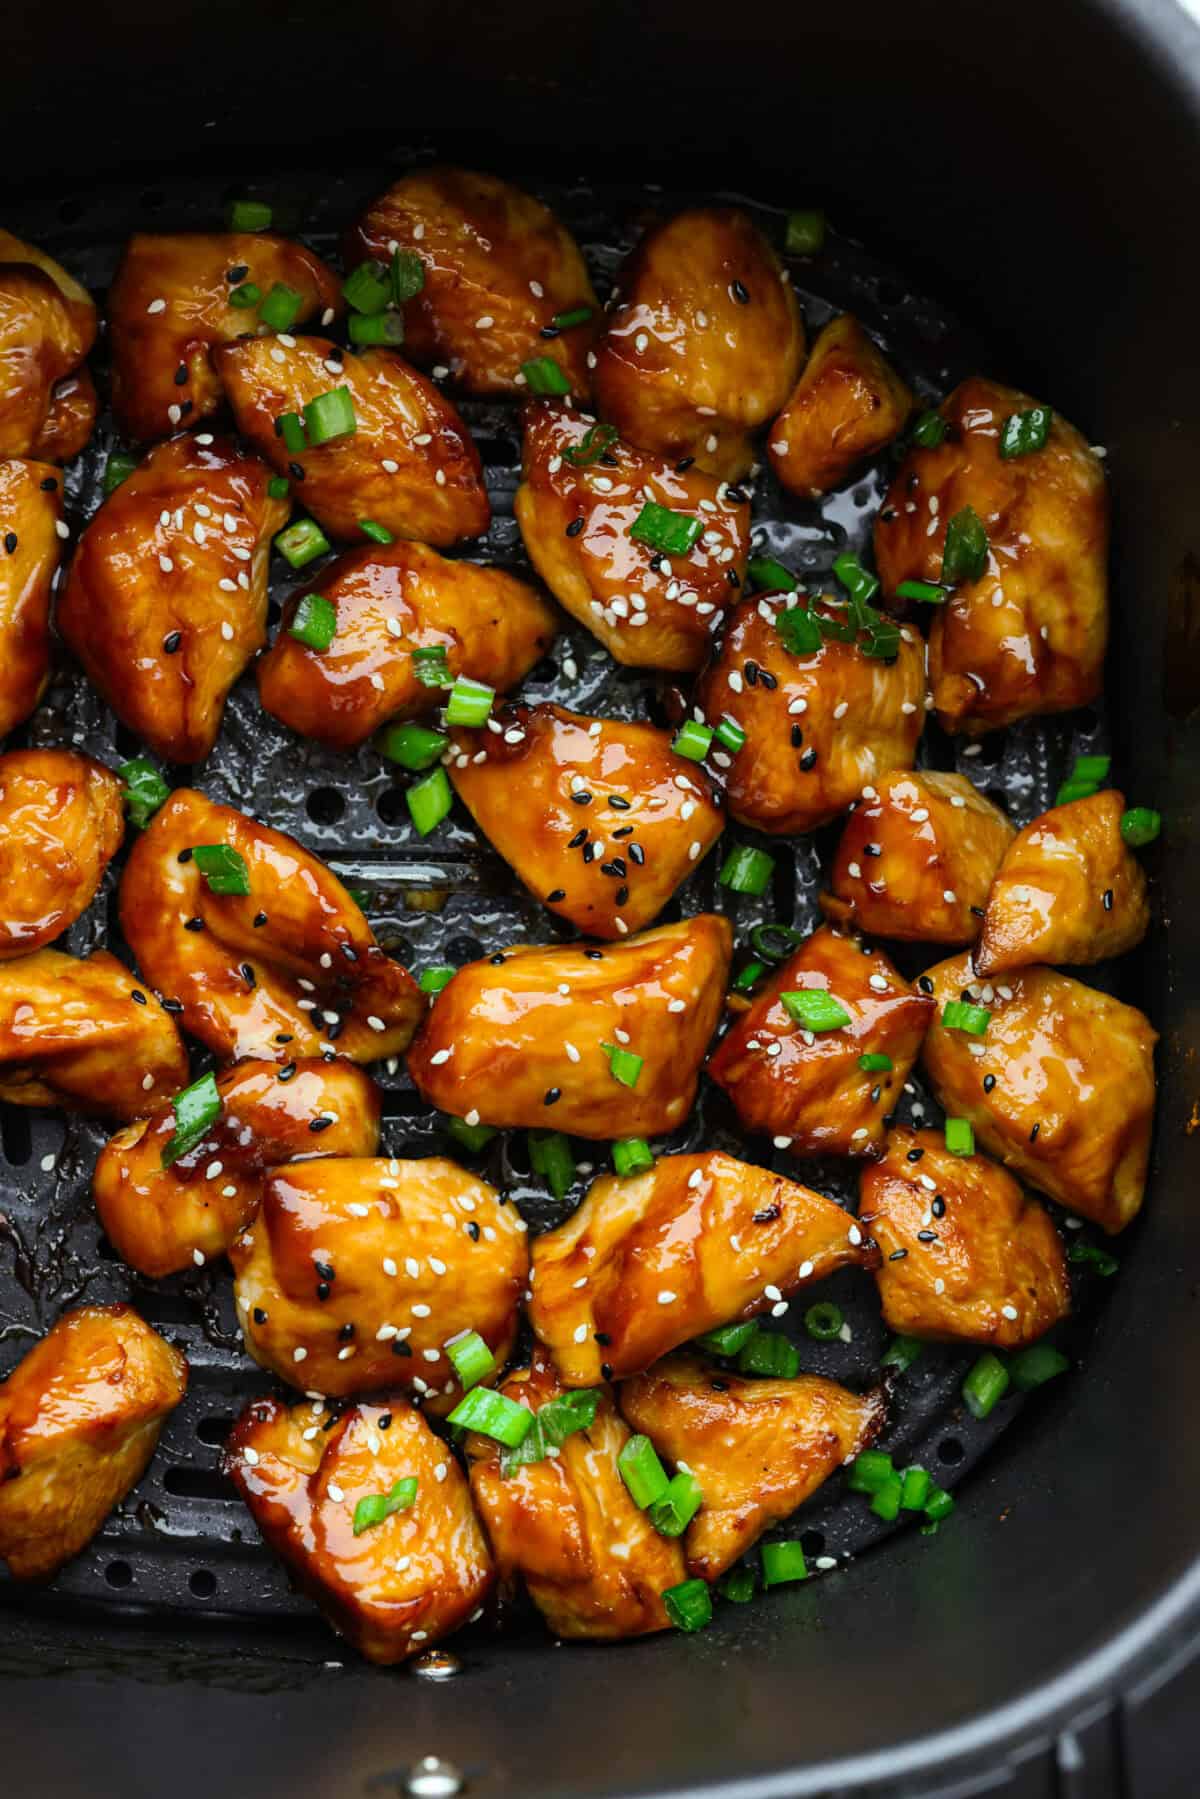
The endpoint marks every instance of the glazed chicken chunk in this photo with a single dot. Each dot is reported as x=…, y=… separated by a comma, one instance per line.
x=30, y=521
x=80, y=1417
x=357, y=1273
x=592, y=1561
x=164, y=1211
x=798, y=1072
x=599, y=1042
x=406, y=461
x=819, y=726
x=917, y=858
x=498, y=270
x=757, y=1448
x=1027, y=633
x=82, y=1033
x=390, y=601
x=61, y=823
x=167, y=598
x=1060, y=1085
x=256, y=943
x=649, y=1261
x=704, y=343
x=47, y=326
x=848, y=404
x=593, y=512
x=371, y=1513
x=1068, y=890
x=175, y=298
x=598, y=817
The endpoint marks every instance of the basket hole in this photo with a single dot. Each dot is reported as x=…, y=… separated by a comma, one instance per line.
x=498, y=451
x=392, y=806
x=151, y=198
x=119, y=1574
x=813, y=1542
x=950, y=1451
x=274, y=613
x=202, y=1583
x=15, y=1137
x=325, y=805
x=463, y=949
x=198, y=1483
x=71, y=210
x=214, y=1430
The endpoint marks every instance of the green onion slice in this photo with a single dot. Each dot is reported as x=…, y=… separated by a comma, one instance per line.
x=314, y=621
x=769, y=576
x=886, y=1499
x=783, y=1562
x=683, y=1498
x=281, y=308
x=692, y=740
x=591, y=447
x=277, y=488
x=875, y=1062
x=730, y=736
x=960, y=1138
x=623, y=1064
x=368, y=288
x=377, y=328
x=290, y=427
x=1034, y=1366
x=644, y=1475
x=929, y=591
x=670, y=533
x=470, y=702
x=728, y=1339
x=929, y=431
x=985, y=1385
x=738, y=1585
x=196, y=1109
x=407, y=275
x=815, y=1009
x=939, y=1505
x=330, y=415
x=769, y=1354
x=775, y=941
x=432, y=980
x=915, y=1484
x=430, y=800
x=965, y=555
x=544, y=377
x=551, y=1156
x=689, y=1605
x=1092, y=1256
x=224, y=868
x=1140, y=825
x=558, y=1419
x=747, y=870
x=376, y=533
x=412, y=746
x=566, y=321
x=471, y=1357
x=302, y=543
x=805, y=232
x=860, y=583
x=870, y=1470
x=145, y=790
x=631, y=1155
x=824, y=1321
x=957, y=1015
x=799, y=630
x=1024, y=432
x=492, y=1415
x=746, y=977
x=431, y=667
x=373, y=1508
x=249, y=215
x=118, y=468
x=901, y=1353
x=472, y=1137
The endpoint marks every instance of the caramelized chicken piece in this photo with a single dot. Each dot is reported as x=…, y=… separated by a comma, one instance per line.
x=30, y=516
x=1029, y=635
x=390, y=601
x=170, y=305
x=577, y=518
x=705, y=343
x=397, y=1586
x=967, y=1256
x=649, y=1261
x=917, y=859
x=409, y=465
x=47, y=327
x=79, y=1420
x=593, y=1563
x=1068, y=890
x=819, y=727
x=167, y=598
x=290, y=968
x=1060, y=1086
x=357, y=1273
x=620, y=853
x=809, y=1085
x=161, y=1218
x=758, y=1448
x=81, y=1033
x=602, y=1043
x=499, y=269
x=61, y=823
x=847, y=405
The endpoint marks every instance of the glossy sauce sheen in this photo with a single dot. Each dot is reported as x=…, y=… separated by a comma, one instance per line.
x=47, y=326
x=30, y=513
x=61, y=823
x=848, y=404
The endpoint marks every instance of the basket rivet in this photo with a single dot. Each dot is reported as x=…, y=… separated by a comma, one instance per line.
x=433, y=1778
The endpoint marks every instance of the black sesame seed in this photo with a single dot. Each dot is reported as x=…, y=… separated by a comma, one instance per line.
x=766, y=679
x=875, y=1093
x=873, y=849
x=259, y=919
x=637, y=854
x=181, y=375
x=927, y=1237
x=552, y=1096
x=733, y=578
x=606, y=1370
x=989, y=1081
x=914, y=1155
x=589, y=852
x=622, y=895
x=194, y=924
x=184, y=856
x=384, y=1421
x=296, y=471
x=719, y=1386
x=260, y=1317
x=575, y=527
x=497, y=960
x=594, y=955
x=617, y=803
x=287, y=1072
x=685, y=463
x=581, y=798
x=399, y=1348
x=602, y=1338
x=897, y=1255
x=750, y=670
x=549, y=331
x=1033, y=1133
x=238, y=274
x=345, y=1332
x=808, y=760
x=138, y=997
x=579, y=837
x=768, y=1214
x=736, y=495
x=552, y=899
x=188, y=406
x=924, y=983
x=977, y=912
x=283, y=1036
x=325, y=1270
x=247, y=974
x=472, y=1230
x=797, y=737
x=171, y=1005
x=888, y=515
x=938, y=1208
x=333, y=1031
x=623, y=831
x=10, y=541
x=323, y=1290
x=321, y=1123
x=740, y=293
x=1108, y=899
x=49, y=485
x=171, y=642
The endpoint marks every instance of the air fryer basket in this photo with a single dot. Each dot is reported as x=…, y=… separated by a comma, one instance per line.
x=1079, y=1520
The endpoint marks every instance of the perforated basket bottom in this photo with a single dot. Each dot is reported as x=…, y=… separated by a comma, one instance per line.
x=182, y=1543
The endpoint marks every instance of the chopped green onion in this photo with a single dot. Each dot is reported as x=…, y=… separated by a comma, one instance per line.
x=670, y=533
x=471, y=1357
x=689, y=1605
x=368, y=288
x=805, y=232
x=330, y=415
x=1092, y=1256
x=302, y=542
x=783, y=1562
x=249, y=215
x=901, y=1353
x=693, y=741
x=875, y=1062
x=644, y=1475
x=591, y=447
x=886, y=1499
x=373, y=1508
x=870, y=1470
x=470, y=702
x=939, y=1505
x=550, y=1155
x=929, y=430
x=118, y=468
x=493, y=1415
x=145, y=790
x=860, y=583
x=730, y=735
x=1140, y=825
x=843, y=630
x=430, y=800
x=985, y=1385
x=769, y=1354
x=543, y=376
x=1075, y=790
x=964, y=557
x=883, y=644
x=1034, y=1366
x=747, y=870
x=376, y=533
x=775, y=941
x=799, y=630
x=412, y=746
x=957, y=1015
x=558, y=1419
x=281, y=308
x=196, y=1109
x=824, y=1321
x=277, y=488
x=960, y=1138
x=290, y=427
x=738, y=1585
x=566, y=321
x=746, y=977
x=728, y=1339
x=815, y=1009
x=1023, y=432
x=672, y=1514
x=314, y=621
x=915, y=1484
x=245, y=296
x=378, y=328
x=631, y=1155
x=408, y=275
x=624, y=1065
x=431, y=666
x=472, y=1137
x=1091, y=768
x=770, y=576
x=434, y=979
x=929, y=591
x=224, y=868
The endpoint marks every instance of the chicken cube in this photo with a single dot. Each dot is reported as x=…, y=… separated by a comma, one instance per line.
x=61, y=822
x=30, y=517
x=47, y=326
x=848, y=404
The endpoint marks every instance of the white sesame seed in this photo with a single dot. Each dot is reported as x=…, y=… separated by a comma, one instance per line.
x=1010, y=1312
x=666, y=1297
x=432, y=1355
x=157, y=306
x=572, y=1053
x=694, y=850
x=49, y=1161
x=782, y=1142
x=772, y=1293
x=198, y=1257
x=580, y=1333
x=841, y=709
x=299, y=1355
x=779, y=1308
x=421, y=1311
x=438, y=1267
x=345, y=1354
x=676, y=1005
x=213, y=1170
x=854, y=870
x=696, y=1178
x=795, y=707
x=439, y=371
x=735, y=681
x=165, y=563
x=439, y=1056
x=939, y=1285
x=537, y=290
x=804, y=1271
x=855, y=1235
x=335, y=1493
x=879, y=982
x=949, y=895
x=356, y=1210
x=389, y=467
x=227, y=631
